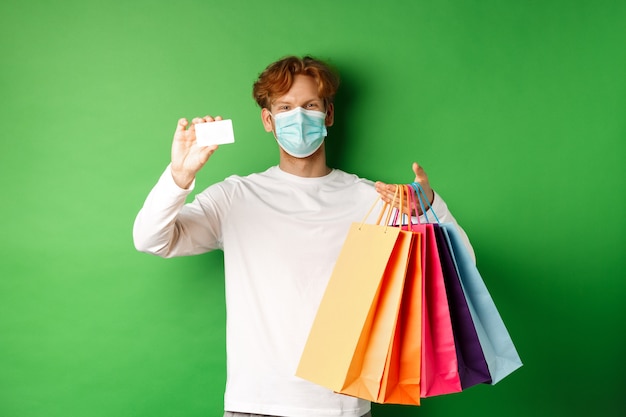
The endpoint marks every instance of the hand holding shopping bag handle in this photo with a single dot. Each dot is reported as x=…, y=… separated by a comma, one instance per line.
x=387, y=191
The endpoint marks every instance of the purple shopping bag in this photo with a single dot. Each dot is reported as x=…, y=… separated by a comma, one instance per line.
x=473, y=367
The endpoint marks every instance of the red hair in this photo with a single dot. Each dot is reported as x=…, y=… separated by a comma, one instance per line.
x=276, y=80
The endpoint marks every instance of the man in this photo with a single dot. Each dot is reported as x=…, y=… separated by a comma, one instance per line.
x=281, y=231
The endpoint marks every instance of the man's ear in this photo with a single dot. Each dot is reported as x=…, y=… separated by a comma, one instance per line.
x=330, y=115
x=266, y=118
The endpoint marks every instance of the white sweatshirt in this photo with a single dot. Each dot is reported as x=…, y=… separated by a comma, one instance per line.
x=281, y=235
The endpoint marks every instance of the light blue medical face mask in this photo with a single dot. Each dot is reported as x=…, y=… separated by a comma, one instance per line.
x=300, y=132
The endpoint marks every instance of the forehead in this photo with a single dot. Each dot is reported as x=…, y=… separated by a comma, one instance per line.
x=303, y=89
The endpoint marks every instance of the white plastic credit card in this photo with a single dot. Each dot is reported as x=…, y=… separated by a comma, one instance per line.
x=215, y=133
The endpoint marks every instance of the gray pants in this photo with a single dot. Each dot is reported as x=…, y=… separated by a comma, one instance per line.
x=231, y=414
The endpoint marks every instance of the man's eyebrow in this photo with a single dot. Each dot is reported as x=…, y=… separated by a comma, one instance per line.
x=284, y=101
x=290, y=101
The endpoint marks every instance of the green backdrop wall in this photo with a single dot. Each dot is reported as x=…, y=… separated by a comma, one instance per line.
x=515, y=108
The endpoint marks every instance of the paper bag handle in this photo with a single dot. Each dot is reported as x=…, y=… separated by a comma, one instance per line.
x=386, y=208
x=421, y=197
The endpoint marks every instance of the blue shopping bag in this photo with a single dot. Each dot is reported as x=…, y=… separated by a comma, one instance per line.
x=500, y=353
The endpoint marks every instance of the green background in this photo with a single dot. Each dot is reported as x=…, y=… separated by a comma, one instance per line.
x=515, y=108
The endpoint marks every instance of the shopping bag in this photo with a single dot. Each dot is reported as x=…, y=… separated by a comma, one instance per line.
x=500, y=353
x=400, y=382
x=350, y=345
x=440, y=371
x=402, y=375
x=473, y=367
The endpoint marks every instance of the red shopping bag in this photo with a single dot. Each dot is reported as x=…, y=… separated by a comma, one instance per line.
x=440, y=370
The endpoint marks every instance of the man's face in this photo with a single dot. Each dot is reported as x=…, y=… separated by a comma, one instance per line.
x=303, y=93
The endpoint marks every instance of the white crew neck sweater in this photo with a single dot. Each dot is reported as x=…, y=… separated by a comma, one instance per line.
x=281, y=235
